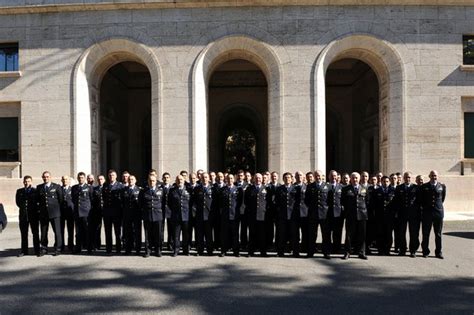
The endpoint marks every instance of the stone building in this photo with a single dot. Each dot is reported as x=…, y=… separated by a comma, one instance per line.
x=347, y=84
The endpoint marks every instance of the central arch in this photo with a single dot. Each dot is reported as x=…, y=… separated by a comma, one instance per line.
x=217, y=53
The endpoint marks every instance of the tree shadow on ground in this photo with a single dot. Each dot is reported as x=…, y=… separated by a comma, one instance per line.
x=464, y=234
x=227, y=288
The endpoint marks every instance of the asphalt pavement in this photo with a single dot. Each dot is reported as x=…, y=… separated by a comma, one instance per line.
x=99, y=283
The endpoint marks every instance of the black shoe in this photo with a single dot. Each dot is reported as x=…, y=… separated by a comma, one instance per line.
x=21, y=254
x=222, y=255
x=440, y=256
x=236, y=254
x=56, y=253
x=327, y=256
x=175, y=254
x=146, y=255
x=158, y=253
x=425, y=255
x=401, y=254
x=412, y=255
x=346, y=256
x=264, y=254
x=363, y=256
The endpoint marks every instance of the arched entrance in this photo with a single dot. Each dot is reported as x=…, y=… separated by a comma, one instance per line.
x=352, y=117
x=238, y=123
x=125, y=119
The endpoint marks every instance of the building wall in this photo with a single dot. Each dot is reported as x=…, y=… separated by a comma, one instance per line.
x=427, y=39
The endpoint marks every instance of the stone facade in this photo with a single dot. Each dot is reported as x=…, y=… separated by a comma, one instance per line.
x=64, y=51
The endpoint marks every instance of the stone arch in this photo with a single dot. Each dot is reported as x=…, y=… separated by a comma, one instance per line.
x=384, y=59
x=87, y=76
x=218, y=52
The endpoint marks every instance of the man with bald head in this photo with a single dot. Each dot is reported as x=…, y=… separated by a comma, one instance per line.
x=431, y=197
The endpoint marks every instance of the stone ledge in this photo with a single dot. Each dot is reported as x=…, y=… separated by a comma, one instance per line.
x=467, y=68
x=10, y=74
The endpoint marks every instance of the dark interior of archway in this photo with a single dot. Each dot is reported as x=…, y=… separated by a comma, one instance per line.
x=352, y=117
x=238, y=123
x=125, y=107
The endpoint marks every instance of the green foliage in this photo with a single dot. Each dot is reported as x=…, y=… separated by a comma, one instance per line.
x=240, y=151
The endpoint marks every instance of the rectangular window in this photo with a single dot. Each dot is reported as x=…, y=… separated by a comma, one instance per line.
x=9, y=57
x=468, y=49
x=9, y=139
x=469, y=135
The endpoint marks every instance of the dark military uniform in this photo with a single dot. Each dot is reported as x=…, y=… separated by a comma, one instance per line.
x=132, y=219
x=335, y=215
x=192, y=218
x=28, y=218
x=244, y=224
x=371, y=234
x=231, y=200
x=285, y=197
x=215, y=215
x=407, y=210
x=316, y=199
x=82, y=199
x=152, y=204
x=113, y=215
x=179, y=202
x=303, y=223
x=201, y=203
x=67, y=218
x=96, y=216
x=271, y=215
x=384, y=216
x=255, y=199
x=49, y=203
x=431, y=198
x=167, y=213
x=354, y=200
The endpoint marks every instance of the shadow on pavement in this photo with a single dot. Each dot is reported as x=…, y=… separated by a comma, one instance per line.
x=468, y=235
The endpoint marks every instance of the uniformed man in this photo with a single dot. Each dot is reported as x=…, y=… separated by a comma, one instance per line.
x=364, y=179
x=67, y=215
x=97, y=213
x=395, y=222
x=379, y=178
x=193, y=183
x=399, y=178
x=285, y=197
x=90, y=180
x=179, y=202
x=125, y=178
x=132, y=216
x=345, y=179
x=301, y=186
x=335, y=211
x=271, y=215
x=212, y=177
x=231, y=198
x=354, y=199
x=384, y=215
x=414, y=220
x=113, y=212
x=317, y=201
x=28, y=216
x=201, y=203
x=152, y=204
x=255, y=199
x=166, y=185
x=371, y=233
x=185, y=176
x=82, y=195
x=431, y=197
x=215, y=215
x=244, y=225
x=49, y=196
x=406, y=208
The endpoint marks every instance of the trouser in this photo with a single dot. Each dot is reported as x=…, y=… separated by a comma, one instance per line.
x=56, y=225
x=181, y=230
x=83, y=234
x=67, y=222
x=203, y=232
x=170, y=233
x=117, y=225
x=230, y=236
x=355, y=236
x=34, y=226
x=96, y=229
x=303, y=226
x=335, y=225
x=384, y=235
x=286, y=232
x=414, y=231
x=313, y=232
x=257, y=237
x=402, y=231
x=191, y=228
x=397, y=236
x=270, y=230
x=371, y=234
x=153, y=236
x=429, y=221
x=215, y=221
x=244, y=230
x=132, y=230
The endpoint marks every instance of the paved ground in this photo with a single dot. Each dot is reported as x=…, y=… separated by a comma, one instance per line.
x=240, y=285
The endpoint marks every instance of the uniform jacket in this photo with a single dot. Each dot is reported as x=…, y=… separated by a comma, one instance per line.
x=285, y=198
x=383, y=202
x=431, y=199
x=49, y=200
x=179, y=203
x=67, y=206
x=255, y=199
x=272, y=208
x=316, y=199
x=112, y=194
x=335, y=208
x=166, y=190
x=354, y=203
x=97, y=201
x=201, y=201
x=82, y=196
x=405, y=203
x=231, y=199
x=130, y=203
x=152, y=203
x=26, y=202
x=300, y=205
